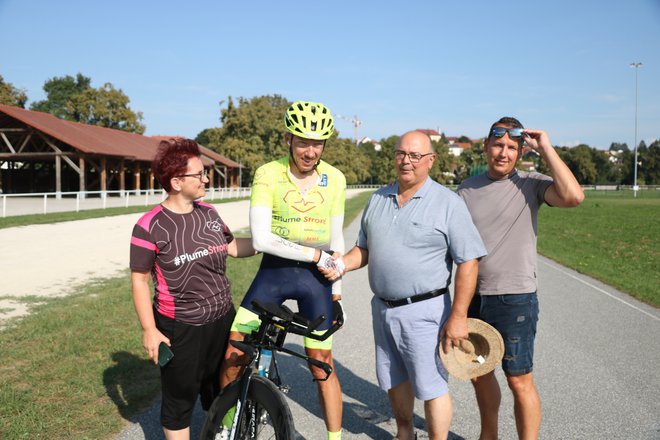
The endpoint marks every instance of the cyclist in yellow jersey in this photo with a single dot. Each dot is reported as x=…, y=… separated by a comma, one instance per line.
x=296, y=218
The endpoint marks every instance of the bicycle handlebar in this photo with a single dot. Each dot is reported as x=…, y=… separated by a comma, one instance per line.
x=245, y=348
x=293, y=322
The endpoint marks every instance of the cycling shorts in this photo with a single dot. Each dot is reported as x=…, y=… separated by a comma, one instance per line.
x=280, y=279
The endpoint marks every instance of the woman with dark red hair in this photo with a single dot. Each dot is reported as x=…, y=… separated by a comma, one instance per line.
x=182, y=245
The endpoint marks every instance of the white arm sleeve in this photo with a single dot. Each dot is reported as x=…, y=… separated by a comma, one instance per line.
x=337, y=244
x=263, y=240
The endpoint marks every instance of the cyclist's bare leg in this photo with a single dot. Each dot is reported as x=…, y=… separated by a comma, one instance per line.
x=329, y=390
x=233, y=361
x=402, y=400
x=179, y=434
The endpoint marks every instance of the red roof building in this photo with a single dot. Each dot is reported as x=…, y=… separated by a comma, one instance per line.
x=433, y=134
x=42, y=153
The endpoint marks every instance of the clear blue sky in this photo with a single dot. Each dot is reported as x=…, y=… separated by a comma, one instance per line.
x=559, y=65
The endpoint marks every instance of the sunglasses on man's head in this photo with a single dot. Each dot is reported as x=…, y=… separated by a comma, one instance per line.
x=514, y=133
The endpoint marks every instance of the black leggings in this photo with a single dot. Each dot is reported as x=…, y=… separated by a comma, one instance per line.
x=195, y=368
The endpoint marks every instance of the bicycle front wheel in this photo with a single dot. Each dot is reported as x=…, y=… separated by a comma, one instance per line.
x=266, y=414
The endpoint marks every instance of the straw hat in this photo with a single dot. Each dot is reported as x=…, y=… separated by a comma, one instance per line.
x=477, y=355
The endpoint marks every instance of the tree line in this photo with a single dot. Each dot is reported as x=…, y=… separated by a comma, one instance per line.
x=251, y=132
x=74, y=99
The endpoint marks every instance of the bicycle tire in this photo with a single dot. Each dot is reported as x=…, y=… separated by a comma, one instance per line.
x=274, y=420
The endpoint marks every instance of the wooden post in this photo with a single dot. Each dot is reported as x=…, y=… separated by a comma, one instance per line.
x=81, y=176
x=136, y=175
x=104, y=174
x=122, y=176
x=58, y=177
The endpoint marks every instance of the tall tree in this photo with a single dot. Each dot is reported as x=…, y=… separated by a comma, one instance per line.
x=251, y=133
x=651, y=164
x=59, y=92
x=106, y=107
x=471, y=162
x=349, y=158
x=444, y=165
x=11, y=95
x=604, y=167
x=74, y=99
x=383, y=165
x=579, y=160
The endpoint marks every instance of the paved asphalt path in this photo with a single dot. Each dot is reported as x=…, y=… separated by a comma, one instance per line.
x=597, y=369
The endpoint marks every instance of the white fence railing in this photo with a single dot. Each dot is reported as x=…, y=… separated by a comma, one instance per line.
x=44, y=203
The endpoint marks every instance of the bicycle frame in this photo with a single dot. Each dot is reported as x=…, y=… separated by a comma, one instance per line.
x=276, y=323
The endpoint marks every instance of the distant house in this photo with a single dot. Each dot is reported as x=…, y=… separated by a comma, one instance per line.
x=456, y=147
x=614, y=155
x=433, y=134
x=42, y=153
x=368, y=140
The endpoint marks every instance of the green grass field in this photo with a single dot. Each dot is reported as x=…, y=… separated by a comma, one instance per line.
x=75, y=367
x=612, y=237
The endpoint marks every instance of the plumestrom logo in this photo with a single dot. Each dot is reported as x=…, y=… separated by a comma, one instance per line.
x=188, y=257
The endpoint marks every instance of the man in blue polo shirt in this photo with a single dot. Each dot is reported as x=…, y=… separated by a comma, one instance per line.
x=411, y=234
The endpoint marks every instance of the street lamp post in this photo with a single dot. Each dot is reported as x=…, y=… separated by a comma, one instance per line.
x=636, y=66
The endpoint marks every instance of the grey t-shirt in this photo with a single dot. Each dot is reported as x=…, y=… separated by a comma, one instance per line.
x=505, y=213
x=412, y=247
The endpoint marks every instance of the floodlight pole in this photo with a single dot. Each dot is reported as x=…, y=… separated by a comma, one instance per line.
x=635, y=187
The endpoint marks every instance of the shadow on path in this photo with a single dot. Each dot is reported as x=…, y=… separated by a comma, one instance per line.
x=366, y=406
x=136, y=399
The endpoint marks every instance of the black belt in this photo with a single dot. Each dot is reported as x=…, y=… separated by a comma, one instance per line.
x=414, y=298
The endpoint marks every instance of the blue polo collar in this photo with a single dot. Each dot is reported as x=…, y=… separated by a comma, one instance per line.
x=393, y=190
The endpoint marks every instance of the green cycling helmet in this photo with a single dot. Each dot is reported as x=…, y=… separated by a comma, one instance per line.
x=309, y=120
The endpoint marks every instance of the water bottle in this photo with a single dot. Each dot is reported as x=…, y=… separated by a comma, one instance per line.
x=264, y=362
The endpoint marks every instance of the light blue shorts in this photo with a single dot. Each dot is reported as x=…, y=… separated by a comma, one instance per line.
x=407, y=341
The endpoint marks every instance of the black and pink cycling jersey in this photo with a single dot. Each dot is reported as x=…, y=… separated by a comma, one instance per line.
x=186, y=255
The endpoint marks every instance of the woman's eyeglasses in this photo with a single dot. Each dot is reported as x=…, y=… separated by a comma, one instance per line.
x=201, y=175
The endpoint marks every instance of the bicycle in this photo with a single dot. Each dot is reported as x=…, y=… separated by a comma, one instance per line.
x=261, y=410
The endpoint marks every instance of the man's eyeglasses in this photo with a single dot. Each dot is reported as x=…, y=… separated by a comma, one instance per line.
x=414, y=157
x=514, y=133
x=201, y=175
